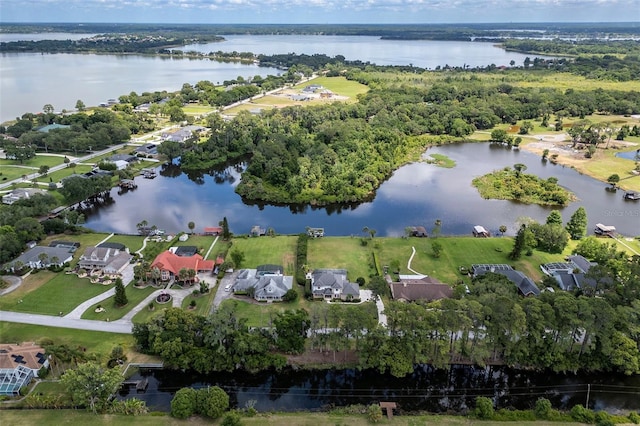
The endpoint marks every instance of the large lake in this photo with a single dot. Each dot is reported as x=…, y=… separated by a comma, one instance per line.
x=416, y=194
x=31, y=80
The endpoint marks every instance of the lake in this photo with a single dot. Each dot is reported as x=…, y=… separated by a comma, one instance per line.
x=416, y=194
x=426, y=389
x=31, y=80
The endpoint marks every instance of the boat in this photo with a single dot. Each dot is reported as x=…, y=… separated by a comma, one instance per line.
x=632, y=196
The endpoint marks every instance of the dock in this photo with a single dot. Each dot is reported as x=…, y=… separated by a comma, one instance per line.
x=148, y=173
x=127, y=184
x=141, y=385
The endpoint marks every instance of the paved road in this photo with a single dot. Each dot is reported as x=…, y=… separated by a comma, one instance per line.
x=78, y=324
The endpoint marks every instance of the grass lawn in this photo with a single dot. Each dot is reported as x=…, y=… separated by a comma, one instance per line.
x=278, y=250
x=96, y=342
x=567, y=80
x=11, y=172
x=61, y=293
x=459, y=251
x=259, y=314
x=57, y=176
x=134, y=295
x=36, y=162
x=353, y=256
x=203, y=302
x=197, y=109
x=338, y=85
x=79, y=417
x=203, y=242
x=132, y=242
x=145, y=314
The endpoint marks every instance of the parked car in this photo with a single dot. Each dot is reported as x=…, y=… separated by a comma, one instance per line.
x=227, y=287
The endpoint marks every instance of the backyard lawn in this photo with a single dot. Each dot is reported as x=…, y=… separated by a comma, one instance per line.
x=203, y=302
x=134, y=296
x=61, y=293
x=257, y=251
x=132, y=242
x=343, y=253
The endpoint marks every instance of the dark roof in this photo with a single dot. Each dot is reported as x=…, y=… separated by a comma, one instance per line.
x=269, y=269
x=62, y=243
x=123, y=157
x=525, y=285
x=116, y=246
x=186, y=251
x=420, y=291
x=583, y=264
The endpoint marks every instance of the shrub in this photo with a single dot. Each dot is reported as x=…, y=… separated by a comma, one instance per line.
x=232, y=418
x=183, y=404
x=542, y=408
x=484, y=408
x=581, y=414
x=212, y=402
x=635, y=418
x=603, y=419
x=374, y=413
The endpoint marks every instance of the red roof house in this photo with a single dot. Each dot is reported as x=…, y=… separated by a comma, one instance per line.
x=170, y=264
x=212, y=230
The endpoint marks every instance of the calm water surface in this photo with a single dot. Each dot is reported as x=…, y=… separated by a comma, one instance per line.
x=416, y=194
x=425, y=389
x=31, y=80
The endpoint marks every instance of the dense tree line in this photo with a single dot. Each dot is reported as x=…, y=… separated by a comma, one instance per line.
x=595, y=328
x=574, y=47
x=340, y=153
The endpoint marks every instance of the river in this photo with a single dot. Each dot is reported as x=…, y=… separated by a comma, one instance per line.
x=31, y=80
x=416, y=194
x=426, y=389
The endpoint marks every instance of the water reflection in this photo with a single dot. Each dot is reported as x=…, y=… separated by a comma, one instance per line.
x=416, y=194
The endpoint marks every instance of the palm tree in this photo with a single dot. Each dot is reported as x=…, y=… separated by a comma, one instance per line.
x=191, y=226
x=503, y=229
x=43, y=257
x=155, y=275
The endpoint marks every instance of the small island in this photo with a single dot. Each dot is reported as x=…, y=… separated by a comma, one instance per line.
x=513, y=184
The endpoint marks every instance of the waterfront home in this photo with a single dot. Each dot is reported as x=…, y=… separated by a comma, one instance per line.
x=265, y=286
x=169, y=264
x=19, y=364
x=418, y=231
x=570, y=275
x=419, y=287
x=20, y=194
x=525, y=285
x=106, y=259
x=212, y=230
x=257, y=231
x=315, y=232
x=41, y=257
x=183, y=134
x=332, y=284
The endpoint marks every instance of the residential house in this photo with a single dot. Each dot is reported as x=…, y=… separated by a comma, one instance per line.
x=185, y=251
x=71, y=245
x=257, y=231
x=332, y=284
x=212, y=230
x=147, y=149
x=170, y=264
x=41, y=257
x=315, y=232
x=20, y=194
x=109, y=260
x=19, y=363
x=183, y=134
x=123, y=157
x=571, y=275
x=267, y=286
x=419, y=287
x=525, y=285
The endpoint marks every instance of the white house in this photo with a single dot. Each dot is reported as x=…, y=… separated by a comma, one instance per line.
x=108, y=259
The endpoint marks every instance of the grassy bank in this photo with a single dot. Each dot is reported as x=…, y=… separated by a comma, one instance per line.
x=75, y=417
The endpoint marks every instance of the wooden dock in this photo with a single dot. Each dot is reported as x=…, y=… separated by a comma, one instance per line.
x=141, y=385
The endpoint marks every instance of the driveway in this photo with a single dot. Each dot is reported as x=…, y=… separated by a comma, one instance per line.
x=222, y=295
x=13, y=281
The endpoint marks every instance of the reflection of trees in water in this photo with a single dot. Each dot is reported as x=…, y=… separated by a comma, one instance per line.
x=170, y=170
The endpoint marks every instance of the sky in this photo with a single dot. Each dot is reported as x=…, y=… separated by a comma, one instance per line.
x=319, y=11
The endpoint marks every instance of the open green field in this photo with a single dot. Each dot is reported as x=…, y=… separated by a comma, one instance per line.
x=96, y=342
x=278, y=250
x=567, y=80
x=35, y=162
x=13, y=172
x=198, y=109
x=112, y=312
x=132, y=242
x=62, y=293
x=343, y=253
x=338, y=85
x=79, y=417
x=203, y=242
x=145, y=314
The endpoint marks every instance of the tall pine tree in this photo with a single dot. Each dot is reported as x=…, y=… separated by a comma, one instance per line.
x=519, y=243
x=577, y=225
x=121, y=296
